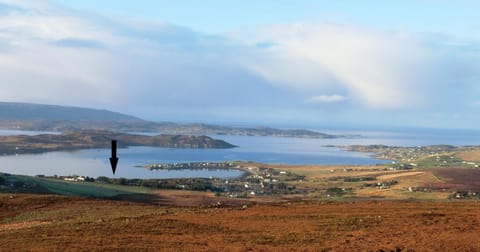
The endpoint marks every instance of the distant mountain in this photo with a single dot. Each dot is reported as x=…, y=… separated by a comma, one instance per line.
x=37, y=117
x=39, y=112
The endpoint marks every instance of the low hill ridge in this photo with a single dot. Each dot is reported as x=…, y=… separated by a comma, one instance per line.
x=31, y=112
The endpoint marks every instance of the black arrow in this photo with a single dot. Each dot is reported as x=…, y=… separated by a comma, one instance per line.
x=114, y=158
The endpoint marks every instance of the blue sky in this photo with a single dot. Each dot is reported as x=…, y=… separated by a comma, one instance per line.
x=298, y=63
x=219, y=16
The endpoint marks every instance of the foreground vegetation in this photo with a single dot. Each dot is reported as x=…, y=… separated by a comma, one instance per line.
x=66, y=223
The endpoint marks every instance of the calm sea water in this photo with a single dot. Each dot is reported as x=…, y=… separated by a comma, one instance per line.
x=94, y=162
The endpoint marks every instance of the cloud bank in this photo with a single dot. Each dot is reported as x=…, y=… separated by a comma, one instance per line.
x=49, y=54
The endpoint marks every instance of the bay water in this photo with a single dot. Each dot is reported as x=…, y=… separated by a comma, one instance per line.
x=272, y=150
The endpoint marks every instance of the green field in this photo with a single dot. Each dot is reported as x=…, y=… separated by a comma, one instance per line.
x=27, y=184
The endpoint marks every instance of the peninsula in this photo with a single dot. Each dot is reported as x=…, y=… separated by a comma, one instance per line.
x=22, y=144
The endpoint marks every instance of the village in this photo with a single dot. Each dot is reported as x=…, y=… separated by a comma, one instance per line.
x=256, y=180
x=421, y=157
x=191, y=165
x=260, y=181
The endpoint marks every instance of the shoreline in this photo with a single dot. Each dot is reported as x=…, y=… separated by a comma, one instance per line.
x=423, y=172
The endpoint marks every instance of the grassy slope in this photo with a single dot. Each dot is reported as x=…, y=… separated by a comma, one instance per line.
x=84, y=189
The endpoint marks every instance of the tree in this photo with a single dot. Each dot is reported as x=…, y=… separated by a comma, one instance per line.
x=103, y=179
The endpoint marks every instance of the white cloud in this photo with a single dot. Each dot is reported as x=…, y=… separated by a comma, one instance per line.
x=327, y=98
x=56, y=56
x=34, y=67
x=378, y=69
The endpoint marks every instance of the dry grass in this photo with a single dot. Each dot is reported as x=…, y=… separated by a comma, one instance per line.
x=398, y=175
x=320, y=178
x=81, y=224
x=470, y=155
x=461, y=178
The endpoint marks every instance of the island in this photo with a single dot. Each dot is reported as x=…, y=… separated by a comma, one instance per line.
x=90, y=139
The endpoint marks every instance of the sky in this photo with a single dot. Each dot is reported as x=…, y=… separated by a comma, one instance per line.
x=301, y=63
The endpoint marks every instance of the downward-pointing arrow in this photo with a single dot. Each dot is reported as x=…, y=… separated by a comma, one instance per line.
x=114, y=159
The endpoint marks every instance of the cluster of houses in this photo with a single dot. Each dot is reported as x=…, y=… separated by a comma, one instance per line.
x=193, y=165
x=465, y=195
x=381, y=185
x=408, y=154
x=471, y=163
x=74, y=178
x=259, y=181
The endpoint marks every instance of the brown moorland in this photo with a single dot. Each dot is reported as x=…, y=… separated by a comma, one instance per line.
x=50, y=223
x=461, y=179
